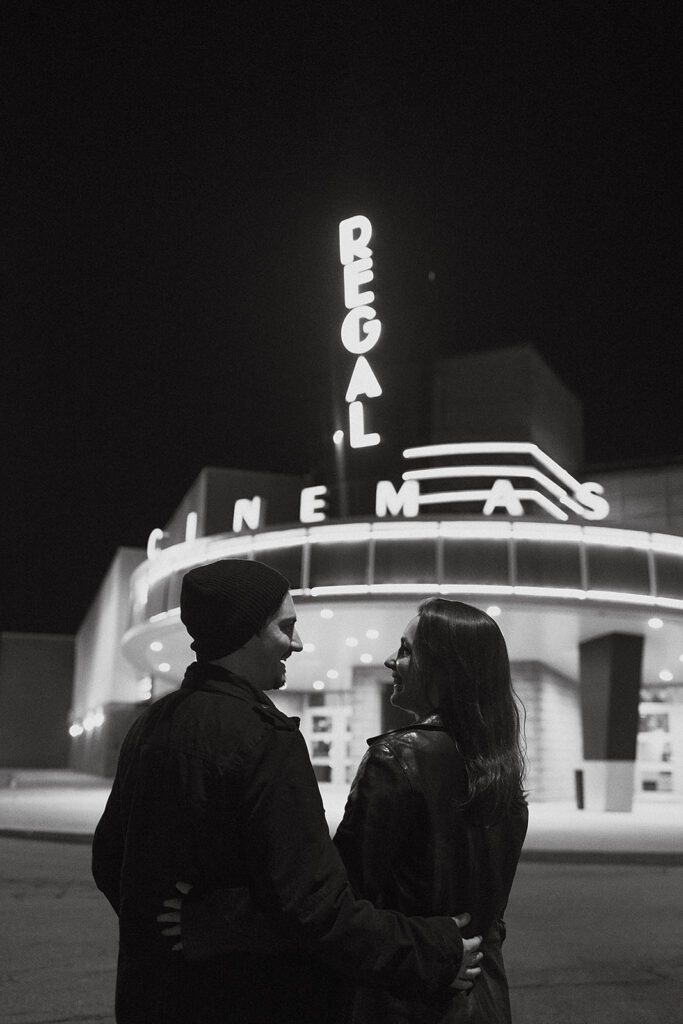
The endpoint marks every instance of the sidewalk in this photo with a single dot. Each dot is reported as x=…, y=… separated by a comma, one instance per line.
x=66, y=806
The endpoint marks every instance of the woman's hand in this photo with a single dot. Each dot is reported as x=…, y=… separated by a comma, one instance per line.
x=469, y=972
x=171, y=915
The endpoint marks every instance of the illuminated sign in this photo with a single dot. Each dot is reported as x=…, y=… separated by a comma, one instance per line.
x=361, y=329
x=553, y=489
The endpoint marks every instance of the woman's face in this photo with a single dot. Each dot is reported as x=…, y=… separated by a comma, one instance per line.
x=407, y=692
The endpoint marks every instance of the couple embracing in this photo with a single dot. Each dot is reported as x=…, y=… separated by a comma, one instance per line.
x=235, y=905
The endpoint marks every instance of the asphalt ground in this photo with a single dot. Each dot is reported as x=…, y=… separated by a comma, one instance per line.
x=587, y=943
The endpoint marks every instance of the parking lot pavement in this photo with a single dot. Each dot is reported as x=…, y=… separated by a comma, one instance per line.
x=596, y=944
x=58, y=937
x=587, y=943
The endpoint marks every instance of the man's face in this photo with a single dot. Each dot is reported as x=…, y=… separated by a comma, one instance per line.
x=270, y=648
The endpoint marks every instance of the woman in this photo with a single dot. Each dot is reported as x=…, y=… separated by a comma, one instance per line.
x=436, y=817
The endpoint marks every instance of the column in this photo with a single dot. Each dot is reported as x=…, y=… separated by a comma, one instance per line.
x=610, y=668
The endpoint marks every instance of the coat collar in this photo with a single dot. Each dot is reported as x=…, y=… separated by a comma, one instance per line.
x=432, y=721
x=215, y=679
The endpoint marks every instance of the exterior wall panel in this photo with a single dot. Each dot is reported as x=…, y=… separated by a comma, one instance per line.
x=36, y=673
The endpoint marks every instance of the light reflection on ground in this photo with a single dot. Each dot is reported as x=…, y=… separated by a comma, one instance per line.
x=654, y=825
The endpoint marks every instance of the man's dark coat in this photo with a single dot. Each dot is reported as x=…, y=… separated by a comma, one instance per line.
x=215, y=787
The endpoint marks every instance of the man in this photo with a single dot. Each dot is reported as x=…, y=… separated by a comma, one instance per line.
x=214, y=786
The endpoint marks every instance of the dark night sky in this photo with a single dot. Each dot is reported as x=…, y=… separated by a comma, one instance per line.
x=173, y=291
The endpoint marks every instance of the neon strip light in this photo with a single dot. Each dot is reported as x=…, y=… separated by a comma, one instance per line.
x=623, y=597
x=404, y=588
x=405, y=531
x=452, y=496
x=493, y=447
x=666, y=544
x=573, y=506
x=401, y=589
x=340, y=534
x=614, y=538
x=451, y=472
x=550, y=532
x=266, y=541
x=570, y=593
x=474, y=588
x=186, y=555
x=479, y=529
x=554, y=593
x=334, y=591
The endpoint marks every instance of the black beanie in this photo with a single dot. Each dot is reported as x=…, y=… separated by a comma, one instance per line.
x=225, y=603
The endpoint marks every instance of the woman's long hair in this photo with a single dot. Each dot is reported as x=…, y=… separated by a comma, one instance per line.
x=460, y=656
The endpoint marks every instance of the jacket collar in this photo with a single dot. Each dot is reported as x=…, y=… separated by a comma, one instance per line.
x=204, y=675
x=215, y=679
x=431, y=721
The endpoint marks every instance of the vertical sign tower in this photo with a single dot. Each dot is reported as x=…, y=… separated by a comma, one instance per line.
x=360, y=329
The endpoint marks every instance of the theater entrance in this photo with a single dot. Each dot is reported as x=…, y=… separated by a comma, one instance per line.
x=327, y=731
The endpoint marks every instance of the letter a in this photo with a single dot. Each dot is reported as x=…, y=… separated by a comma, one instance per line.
x=363, y=381
x=503, y=495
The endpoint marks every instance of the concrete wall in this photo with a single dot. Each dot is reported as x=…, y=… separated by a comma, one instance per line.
x=507, y=394
x=553, y=730
x=645, y=499
x=366, y=704
x=35, y=692
x=103, y=680
x=102, y=674
x=97, y=751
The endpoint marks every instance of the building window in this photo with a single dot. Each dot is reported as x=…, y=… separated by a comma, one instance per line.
x=333, y=564
x=408, y=562
x=623, y=570
x=547, y=565
x=475, y=561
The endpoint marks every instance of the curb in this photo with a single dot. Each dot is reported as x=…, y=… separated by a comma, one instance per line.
x=649, y=858
x=644, y=858
x=84, y=838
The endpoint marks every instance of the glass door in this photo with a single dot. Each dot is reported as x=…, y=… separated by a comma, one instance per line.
x=327, y=731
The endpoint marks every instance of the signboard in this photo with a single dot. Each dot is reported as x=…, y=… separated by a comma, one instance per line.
x=494, y=482
x=360, y=329
x=501, y=487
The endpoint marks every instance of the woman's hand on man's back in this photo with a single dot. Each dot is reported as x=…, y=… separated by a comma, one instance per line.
x=469, y=971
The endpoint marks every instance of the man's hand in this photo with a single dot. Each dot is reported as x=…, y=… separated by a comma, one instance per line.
x=471, y=956
x=171, y=916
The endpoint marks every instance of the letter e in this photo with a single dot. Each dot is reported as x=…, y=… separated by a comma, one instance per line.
x=312, y=505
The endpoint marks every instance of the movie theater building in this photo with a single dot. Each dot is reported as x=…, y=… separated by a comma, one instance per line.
x=476, y=492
